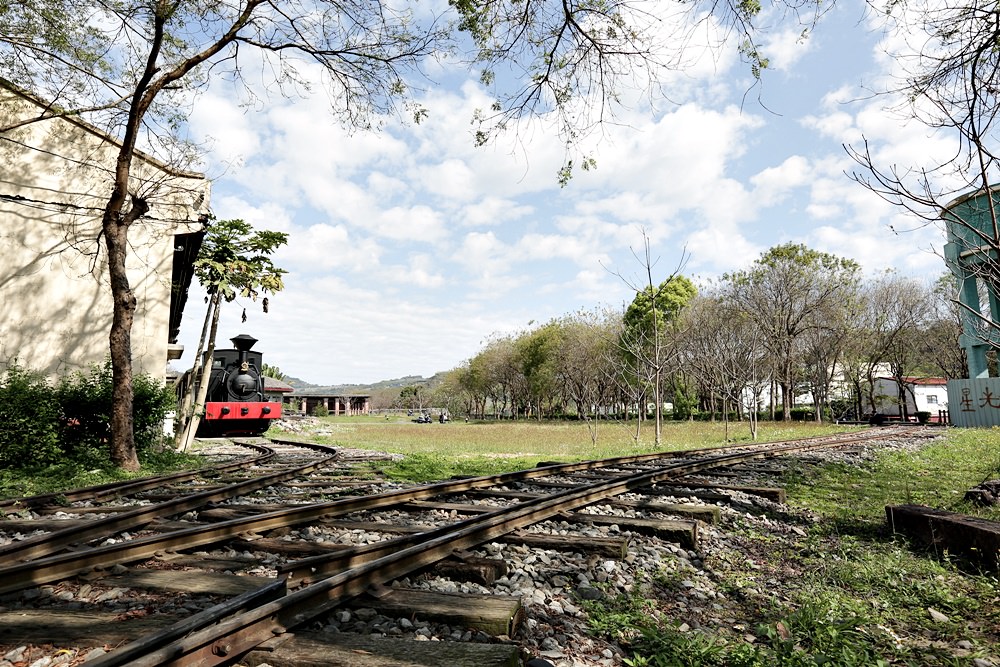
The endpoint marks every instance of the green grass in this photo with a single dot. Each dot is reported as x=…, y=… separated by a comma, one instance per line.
x=852, y=594
x=65, y=476
x=437, y=451
x=938, y=475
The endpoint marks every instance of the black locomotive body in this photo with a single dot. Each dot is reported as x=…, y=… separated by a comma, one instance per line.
x=235, y=403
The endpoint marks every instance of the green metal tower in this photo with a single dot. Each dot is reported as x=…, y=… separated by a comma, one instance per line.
x=971, y=254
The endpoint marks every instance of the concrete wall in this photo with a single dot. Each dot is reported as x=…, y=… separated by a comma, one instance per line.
x=55, y=300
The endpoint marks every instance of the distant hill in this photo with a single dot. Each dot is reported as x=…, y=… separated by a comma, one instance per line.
x=355, y=389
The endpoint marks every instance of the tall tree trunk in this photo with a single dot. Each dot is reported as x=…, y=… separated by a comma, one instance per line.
x=122, y=446
x=658, y=411
x=115, y=224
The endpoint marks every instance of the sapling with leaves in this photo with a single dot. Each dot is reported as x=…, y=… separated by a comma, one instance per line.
x=234, y=261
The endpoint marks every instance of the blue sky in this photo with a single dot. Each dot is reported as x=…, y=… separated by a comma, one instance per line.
x=410, y=247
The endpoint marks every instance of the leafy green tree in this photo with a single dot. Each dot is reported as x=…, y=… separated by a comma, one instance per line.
x=234, y=261
x=494, y=378
x=272, y=372
x=537, y=353
x=585, y=362
x=789, y=292
x=411, y=397
x=940, y=351
x=134, y=68
x=647, y=322
x=450, y=395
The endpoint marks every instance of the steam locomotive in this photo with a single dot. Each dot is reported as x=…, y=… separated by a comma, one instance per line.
x=235, y=403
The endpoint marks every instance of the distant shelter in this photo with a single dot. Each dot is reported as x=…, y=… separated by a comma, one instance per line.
x=276, y=390
x=306, y=402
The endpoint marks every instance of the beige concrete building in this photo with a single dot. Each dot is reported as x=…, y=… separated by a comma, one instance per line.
x=55, y=299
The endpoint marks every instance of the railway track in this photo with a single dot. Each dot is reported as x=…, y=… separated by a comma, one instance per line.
x=298, y=583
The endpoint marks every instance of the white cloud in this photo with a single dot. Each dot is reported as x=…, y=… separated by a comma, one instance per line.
x=491, y=211
x=324, y=247
x=268, y=215
x=417, y=223
x=720, y=249
x=411, y=246
x=775, y=183
x=785, y=48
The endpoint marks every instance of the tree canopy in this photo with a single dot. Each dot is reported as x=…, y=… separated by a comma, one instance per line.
x=841, y=333
x=789, y=291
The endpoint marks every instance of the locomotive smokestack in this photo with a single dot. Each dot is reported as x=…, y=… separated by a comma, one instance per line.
x=243, y=343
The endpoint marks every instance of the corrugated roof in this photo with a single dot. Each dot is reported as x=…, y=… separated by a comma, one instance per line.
x=271, y=384
x=936, y=382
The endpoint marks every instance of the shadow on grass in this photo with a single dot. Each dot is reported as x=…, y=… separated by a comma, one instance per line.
x=881, y=534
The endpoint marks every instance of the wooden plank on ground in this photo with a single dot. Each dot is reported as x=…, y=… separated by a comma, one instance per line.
x=613, y=547
x=458, y=508
x=710, y=514
x=775, y=494
x=187, y=581
x=294, y=549
x=684, y=533
x=969, y=536
x=493, y=614
x=679, y=492
x=348, y=650
x=77, y=628
x=477, y=570
x=28, y=526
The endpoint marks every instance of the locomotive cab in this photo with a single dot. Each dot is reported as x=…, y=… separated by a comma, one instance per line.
x=235, y=402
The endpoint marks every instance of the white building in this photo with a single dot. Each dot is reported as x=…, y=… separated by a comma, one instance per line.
x=921, y=395
x=55, y=178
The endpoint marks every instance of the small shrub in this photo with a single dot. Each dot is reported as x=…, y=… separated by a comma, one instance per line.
x=150, y=406
x=803, y=414
x=29, y=420
x=320, y=411
x=42, y=425
x=85, y=400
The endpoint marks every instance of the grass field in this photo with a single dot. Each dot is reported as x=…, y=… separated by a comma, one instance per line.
x=487, y=447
